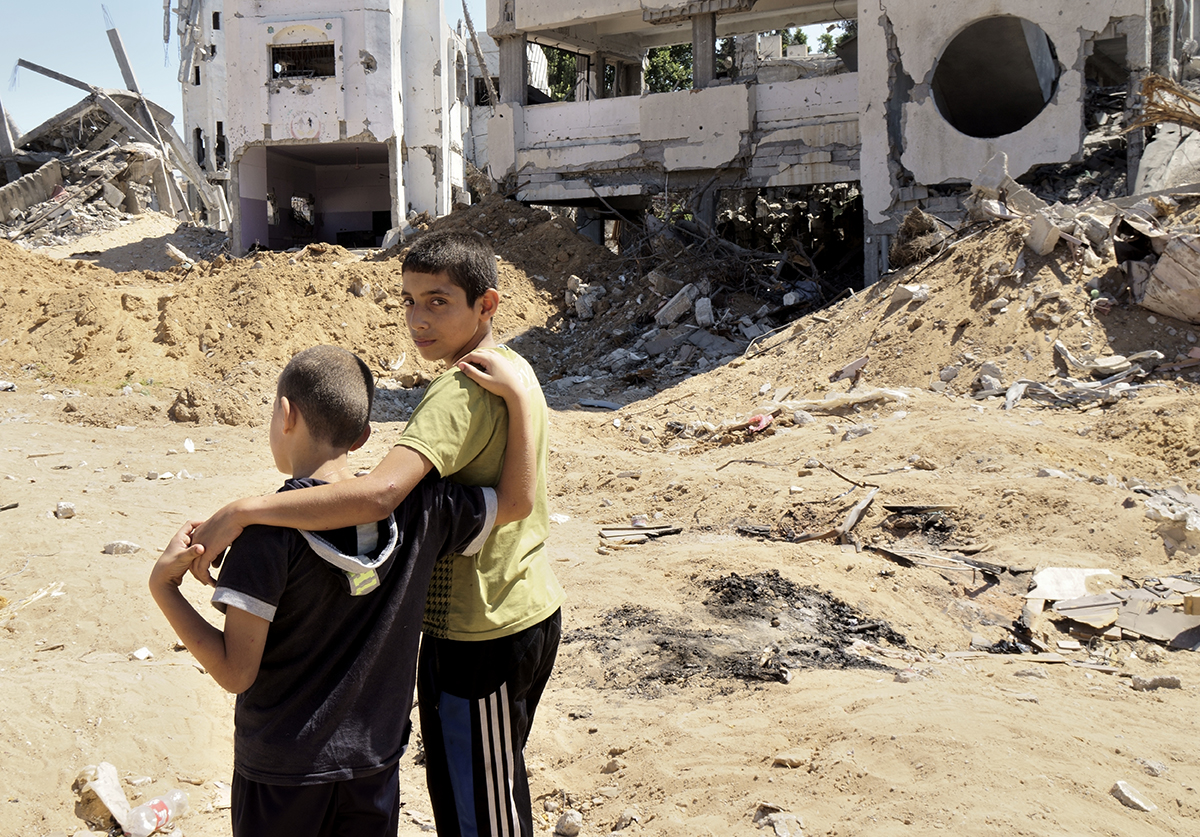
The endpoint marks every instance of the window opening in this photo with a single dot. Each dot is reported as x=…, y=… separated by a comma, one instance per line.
x=216, y=20
x=303, y=61
x=481, y=92
x=195, y=76
x=219, y=145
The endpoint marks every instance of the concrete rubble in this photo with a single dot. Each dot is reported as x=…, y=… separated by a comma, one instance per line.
x=113, y=154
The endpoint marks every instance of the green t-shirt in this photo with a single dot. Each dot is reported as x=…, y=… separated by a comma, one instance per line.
x=508, y=586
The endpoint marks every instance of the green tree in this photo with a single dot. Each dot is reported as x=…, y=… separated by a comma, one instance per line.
x=791, y=36
x=669, y=69
x=561, y=72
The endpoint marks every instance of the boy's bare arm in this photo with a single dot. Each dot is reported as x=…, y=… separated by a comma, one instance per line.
x=517, y=489
x=333, y=506
x=231, y=656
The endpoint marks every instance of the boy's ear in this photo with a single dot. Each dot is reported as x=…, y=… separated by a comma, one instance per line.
x=362, y=440
x=489, y=301
x=291, y=416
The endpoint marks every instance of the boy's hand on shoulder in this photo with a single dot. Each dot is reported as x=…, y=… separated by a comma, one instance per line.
x=214, y=535
x=493, y=372
x=177, y=558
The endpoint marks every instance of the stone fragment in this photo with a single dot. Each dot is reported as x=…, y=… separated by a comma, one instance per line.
x=677, y=306
x=914, y=293
x=948, y=374
x=858, y=431
x=628, y=817
x=1153, y=768
x=128, y=477
x=802, y=418
x=704, y=312
x=569, y=824
x=1160, y=681
x=1131, y=797
x=613, y=766
x=121, y=548
x=1043, y=234
x=64, y=511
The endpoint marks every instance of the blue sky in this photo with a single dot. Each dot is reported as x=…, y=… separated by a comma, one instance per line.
x=68, y=36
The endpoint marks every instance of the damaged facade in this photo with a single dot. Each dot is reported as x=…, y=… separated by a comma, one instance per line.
x=926, y=97
x=303, y=111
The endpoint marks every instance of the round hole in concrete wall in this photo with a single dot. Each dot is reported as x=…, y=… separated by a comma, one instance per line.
x=995, y=76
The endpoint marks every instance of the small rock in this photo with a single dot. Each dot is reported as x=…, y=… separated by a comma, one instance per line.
x=613, y=766
x=121, y=548
x=1160, y=681
x=1027, y=697
x=1051, y=472
x=857, y=431
x=550, y=806
x=948, y=374
x=1154, y=768
x=63, y=511
x=908, y=675
x=1130, y=797
x=152, y=475
x=142, y=653
x=1039, y=673
x=802, y=418
x=569, y=824
x=791, y=760
x=628, y=817
x=923, y=464
x=128, y=477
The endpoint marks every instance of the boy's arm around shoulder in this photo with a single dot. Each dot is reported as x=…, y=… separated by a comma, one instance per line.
x=231, y=656
x=517, y=489
x=347, y=503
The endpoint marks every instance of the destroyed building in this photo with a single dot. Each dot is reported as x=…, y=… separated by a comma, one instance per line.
x=907, y=116
x=305, y=114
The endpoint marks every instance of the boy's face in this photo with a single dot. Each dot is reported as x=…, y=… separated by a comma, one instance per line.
x=440, y=321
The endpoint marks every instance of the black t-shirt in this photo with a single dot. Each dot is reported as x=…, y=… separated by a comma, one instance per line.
x=334, y=690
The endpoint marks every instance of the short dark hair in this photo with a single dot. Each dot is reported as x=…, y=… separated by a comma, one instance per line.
x=333, y=389
x=467, y=259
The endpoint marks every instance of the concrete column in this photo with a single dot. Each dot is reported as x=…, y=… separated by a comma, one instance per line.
x=599, y=65
x=581, y=78
x=1162, y=44
x=424, y=108
x=632, y=79
x=514, y=73
x=704, y=50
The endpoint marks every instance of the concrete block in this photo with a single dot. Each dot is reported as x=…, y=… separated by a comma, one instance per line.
x=112, y=195
x=677, y=306
x=1042, y=235
x=704, y=312
x=664, y=341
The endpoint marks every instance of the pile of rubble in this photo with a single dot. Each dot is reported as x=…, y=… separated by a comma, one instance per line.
x=113, y=153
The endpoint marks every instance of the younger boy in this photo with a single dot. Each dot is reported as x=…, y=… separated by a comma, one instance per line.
x=321, y=629
x=492, y=622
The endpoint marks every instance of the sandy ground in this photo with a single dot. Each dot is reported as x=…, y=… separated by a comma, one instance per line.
x=669, y=707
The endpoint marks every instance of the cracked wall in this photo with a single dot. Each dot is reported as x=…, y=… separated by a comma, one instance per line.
x=908, y=143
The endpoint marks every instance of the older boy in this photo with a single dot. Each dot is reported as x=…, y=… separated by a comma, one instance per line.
x=321, y=630
x=492, y=623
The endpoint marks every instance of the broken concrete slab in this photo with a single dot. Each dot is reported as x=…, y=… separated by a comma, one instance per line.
x=1173, y=286
x=1061, y=583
